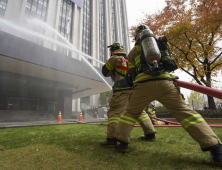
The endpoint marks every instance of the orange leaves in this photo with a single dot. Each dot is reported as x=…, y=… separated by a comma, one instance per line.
x=193, y=29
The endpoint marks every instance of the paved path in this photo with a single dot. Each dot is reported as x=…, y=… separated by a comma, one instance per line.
x=4, y=125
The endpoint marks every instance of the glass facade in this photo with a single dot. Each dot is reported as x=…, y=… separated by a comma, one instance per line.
x=3, y=5
x=64, y=27
x=102, y=33
x=65, y=18
x=123, y=25
x=36, y=9
x=86, y=28
x=113, y=20
x=22, y=104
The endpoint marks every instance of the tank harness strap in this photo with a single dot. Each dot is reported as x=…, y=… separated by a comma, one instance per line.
x=123, y=58
x=120, y=73
x=121, y=90
x=122, y=67
x=157, y=79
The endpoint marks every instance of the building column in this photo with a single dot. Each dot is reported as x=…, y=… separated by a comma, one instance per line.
x=14, y=10
x=127, y=27
x=95, y=31
x=91, y=101
x=118, y=22
x=53, y=21
x=65, y=103
x=108, y=26
x=76, y=27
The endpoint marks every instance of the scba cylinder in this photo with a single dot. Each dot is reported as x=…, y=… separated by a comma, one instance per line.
x=149, y=46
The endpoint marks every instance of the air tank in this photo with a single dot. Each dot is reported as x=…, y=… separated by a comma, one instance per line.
x=149, y=46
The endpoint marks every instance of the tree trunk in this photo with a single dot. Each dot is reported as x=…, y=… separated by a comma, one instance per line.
x=211, y=103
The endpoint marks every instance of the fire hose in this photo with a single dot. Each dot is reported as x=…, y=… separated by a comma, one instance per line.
x=202, y=89
x=168, y=125
x=164, y=120
x=175, y=124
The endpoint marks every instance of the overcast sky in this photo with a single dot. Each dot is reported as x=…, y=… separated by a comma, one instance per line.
x=136, y=10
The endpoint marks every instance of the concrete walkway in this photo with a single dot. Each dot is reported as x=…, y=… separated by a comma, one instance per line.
x=4, y=125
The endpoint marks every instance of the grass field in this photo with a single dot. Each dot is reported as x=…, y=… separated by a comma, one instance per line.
x=77, y=147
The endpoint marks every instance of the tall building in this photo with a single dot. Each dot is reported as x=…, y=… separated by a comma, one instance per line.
x=40, y=75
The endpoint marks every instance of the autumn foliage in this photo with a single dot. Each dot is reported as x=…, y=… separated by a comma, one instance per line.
x=193, y=29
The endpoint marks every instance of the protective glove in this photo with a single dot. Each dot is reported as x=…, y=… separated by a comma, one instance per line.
x=162, y=43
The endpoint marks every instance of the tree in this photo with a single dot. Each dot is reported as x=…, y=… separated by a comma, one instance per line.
x=219, y=100
x=193, y=29
x=104, y=98
x=196, y=99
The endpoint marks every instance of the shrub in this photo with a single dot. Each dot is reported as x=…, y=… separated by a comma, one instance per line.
x=162, y=112
x=210, y=113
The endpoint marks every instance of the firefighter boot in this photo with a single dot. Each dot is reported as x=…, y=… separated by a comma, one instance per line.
x=148, y=137
x=216, y=155
x=122, y=147
x=109, y=143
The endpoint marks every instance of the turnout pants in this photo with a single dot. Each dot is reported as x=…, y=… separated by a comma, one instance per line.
x=117, y=104
x=168, y=94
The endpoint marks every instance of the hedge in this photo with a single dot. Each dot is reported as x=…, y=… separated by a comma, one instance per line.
x=162, y=112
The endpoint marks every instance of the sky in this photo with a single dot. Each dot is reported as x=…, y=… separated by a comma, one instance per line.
x=136, y=10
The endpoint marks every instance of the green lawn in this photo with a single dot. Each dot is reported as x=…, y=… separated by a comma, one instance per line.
x=77, y=147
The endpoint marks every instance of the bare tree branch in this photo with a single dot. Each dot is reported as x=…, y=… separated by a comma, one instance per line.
x=202, y=79
x=216, y=66
x=188, y=39
x=197, y=57
x=178, y=49
x=216, y=58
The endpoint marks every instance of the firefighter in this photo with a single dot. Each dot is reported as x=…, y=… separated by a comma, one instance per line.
x=116, y=67
x=154, y=82
x=151, y=110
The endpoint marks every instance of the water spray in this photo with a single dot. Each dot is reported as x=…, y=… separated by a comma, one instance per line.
x=38, y=35
x=34, y=21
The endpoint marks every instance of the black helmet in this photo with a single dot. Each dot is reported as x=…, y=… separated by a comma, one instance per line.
x=139, y=29
x=115, y=46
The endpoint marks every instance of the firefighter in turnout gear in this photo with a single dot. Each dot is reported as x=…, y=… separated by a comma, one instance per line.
x=154, y=82
x=116, y=67
x=150, y=110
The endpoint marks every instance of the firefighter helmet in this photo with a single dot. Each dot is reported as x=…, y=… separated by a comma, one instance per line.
x=115, y=46
x=139, y=29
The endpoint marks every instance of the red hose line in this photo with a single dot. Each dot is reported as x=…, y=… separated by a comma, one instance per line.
x=205, y=121
x=168, y=125
x=164, y=120
x=174, y=122
x=202, y=89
